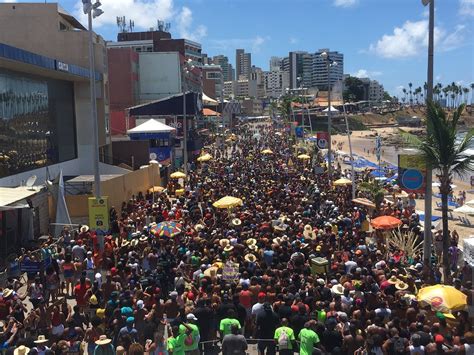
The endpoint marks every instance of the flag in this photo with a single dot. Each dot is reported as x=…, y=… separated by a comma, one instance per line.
x=62, y=214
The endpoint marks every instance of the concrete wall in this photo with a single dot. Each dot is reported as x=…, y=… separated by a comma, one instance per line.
x=118, y=190
x=35, y=28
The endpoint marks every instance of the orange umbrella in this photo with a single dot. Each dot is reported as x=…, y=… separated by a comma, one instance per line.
x=385, y=222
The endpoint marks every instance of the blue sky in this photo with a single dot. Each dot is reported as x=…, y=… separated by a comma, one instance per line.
x=384, y=39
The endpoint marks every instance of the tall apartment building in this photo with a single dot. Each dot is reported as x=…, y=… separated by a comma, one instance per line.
x=295, y=67
x=376, y=91
x=276, y=82
x=212, y=81
x=243, y=64
x=320, y=70
x=275, y=62
x=227, y=69
x=257, y=76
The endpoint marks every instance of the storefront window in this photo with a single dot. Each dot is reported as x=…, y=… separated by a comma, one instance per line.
x=37, y=124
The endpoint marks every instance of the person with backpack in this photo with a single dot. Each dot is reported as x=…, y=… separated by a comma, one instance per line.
x=396, y=344
x=284, y=338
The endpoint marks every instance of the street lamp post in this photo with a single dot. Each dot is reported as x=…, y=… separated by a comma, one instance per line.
x=186, y=70
x=93, y=11
x=326, y=58
x=427, y=240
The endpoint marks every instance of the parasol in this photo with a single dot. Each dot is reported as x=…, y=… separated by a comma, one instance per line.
x=364, y=202
x=442, y=298
x=385, y=222
x=465, y=209
x=178, y=175
x=267, y=151
x=205, y=157
x=166, y=229
x=342, y=182
x=156, y=189
x=228, y=202
x=303, y=157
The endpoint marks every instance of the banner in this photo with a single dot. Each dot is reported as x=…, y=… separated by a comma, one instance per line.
x=230, y=271
x=99, y=213
x=411, y=173
x=322, y=140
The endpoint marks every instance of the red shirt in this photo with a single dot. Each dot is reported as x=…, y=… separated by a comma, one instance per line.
x=80, y=291
x=245, y=298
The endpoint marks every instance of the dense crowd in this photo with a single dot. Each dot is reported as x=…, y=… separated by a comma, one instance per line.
x=237, y=275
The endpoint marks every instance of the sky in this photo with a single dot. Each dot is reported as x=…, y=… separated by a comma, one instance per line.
x=385, y=40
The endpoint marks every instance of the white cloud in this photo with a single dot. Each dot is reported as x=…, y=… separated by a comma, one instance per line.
x=412, y=38
x=8, y=1
x=293, y=40
x=345, y=3
x=145, y=14
x=364, y=73
x=253, y=44
x=184, y=22
x=466, y=7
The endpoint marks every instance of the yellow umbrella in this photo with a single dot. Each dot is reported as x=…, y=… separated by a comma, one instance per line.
x=442, y=298
x=205, y=157
x=178, y=175
x=228, y=202
x=304, y=157
x=267, y=151
x=156, y=189
x=342, y=182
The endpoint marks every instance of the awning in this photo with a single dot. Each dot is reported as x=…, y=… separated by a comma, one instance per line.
x=206, y=100
x=151, y=126
x=209, y=112
x=169, y=106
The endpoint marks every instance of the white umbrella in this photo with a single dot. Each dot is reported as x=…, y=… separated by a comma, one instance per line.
x=332, y=109
x=437, y=184
x=470, y=203
x=465, y=209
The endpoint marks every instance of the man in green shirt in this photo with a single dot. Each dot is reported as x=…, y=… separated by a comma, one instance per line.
x=308, y=338
x=175, y=344
x=226, y=324
x=191, y=343
x=284, y=338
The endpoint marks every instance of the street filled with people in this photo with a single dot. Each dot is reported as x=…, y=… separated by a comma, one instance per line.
x=259, y=247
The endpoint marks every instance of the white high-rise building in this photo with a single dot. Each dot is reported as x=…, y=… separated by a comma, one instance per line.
x=276, y=82
x=320, y=71
x=376, y=91
x=275, y=62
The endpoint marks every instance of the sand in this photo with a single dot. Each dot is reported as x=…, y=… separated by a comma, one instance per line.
x=365, y=140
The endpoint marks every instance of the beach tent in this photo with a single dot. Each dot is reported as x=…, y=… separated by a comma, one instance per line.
x=465, y=209
x=332, y=109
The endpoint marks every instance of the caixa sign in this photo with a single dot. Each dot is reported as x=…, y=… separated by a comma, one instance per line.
x=61, y=66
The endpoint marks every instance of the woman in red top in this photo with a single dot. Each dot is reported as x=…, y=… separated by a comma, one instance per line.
x=80, y=291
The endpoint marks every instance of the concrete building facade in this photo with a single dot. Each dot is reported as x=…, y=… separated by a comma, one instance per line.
x=376, y=91
x=212, y=81
x=44, y=60
x=227, y=69
x=276, y=82
x=320, y=70
x=243, y=64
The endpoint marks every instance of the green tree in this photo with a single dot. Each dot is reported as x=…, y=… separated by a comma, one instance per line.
x=386, y=96
x=374, y=192
x=354, y=89
x=444, y=154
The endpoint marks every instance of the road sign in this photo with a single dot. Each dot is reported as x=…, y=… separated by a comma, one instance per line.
x=99, y=213
x=322, y=140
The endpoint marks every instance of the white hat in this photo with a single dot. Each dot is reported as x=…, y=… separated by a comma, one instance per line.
x=140, y=304
x=21, y=350
x=41, y=340
x=103, y=340
x=191, y=316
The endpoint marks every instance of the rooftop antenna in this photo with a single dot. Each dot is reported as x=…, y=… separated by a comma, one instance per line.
x=122, y=23
x=160, y=25
x=167, y=27
x=131, y=25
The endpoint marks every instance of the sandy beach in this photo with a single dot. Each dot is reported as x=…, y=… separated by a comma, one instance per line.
x=363, y=143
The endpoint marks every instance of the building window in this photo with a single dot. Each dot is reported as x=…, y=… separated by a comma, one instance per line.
x=37, y=122
x=62, y=27
x=213, y=75
x=159, y=143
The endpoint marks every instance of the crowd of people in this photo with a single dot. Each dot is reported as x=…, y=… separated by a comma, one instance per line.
x=234, y=276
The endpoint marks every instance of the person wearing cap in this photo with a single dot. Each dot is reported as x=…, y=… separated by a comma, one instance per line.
x=308, y=338
x=284, y=338
x=191, y=344
x=177, y=340
x=129, y=329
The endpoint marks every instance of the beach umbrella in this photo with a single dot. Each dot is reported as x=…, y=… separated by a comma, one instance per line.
x=267, y=151
x=342, y=182
x=167, y=229
x=303, y=157
x=364, y=202
x=385, y=222
x=465, y=209
x=471, y=203
x=228, y=202
x=205, y=157
x=156, y=189
x=442, y=298
x=178, y=175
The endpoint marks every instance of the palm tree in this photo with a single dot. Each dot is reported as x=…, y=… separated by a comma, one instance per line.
x=465, y=92
x=472, y=93
x=411, y=97
x=442, y=152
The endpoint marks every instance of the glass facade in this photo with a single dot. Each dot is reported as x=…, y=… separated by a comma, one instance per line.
x=37, y=123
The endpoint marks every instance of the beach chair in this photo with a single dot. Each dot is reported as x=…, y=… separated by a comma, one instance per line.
x=437, y=195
